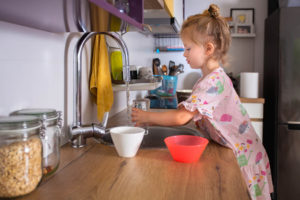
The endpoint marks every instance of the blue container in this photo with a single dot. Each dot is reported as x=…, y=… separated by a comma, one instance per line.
x=169, y=85
x=164, y=103
x=168, y=88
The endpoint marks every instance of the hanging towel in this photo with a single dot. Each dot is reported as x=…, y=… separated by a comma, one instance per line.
x=100, y=81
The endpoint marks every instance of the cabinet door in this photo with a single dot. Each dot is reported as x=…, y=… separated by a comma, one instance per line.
x=258, y=127
x=254, y=110
x=178, y=11
x=64, y=16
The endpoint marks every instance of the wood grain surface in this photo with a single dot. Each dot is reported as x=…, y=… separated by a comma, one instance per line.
x=98, y=173
x=254, y=100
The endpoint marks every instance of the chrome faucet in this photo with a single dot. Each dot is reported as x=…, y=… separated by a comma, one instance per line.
x=79, y=132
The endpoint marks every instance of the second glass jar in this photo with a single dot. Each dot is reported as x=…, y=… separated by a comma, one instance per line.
x=51, y=123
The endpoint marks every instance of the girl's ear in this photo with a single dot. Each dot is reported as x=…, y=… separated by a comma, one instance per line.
x=209, y=48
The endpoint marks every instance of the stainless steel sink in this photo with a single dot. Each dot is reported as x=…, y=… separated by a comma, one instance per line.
x=157, y=134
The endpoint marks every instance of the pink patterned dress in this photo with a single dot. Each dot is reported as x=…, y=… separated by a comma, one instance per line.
x=224, y=118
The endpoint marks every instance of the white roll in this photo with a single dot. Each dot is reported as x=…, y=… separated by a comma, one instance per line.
x=249, y=84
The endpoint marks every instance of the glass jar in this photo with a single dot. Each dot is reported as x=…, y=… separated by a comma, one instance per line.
x=133, y=72
x=20, y=155
x=143, y=104
x=51, y=123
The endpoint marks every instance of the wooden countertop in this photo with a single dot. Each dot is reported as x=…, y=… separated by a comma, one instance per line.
x=254, y=100
x=96, y=172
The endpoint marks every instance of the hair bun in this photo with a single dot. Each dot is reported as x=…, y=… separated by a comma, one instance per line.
x=214, y=10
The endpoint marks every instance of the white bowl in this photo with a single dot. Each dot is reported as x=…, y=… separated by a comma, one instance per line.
x=127, y=140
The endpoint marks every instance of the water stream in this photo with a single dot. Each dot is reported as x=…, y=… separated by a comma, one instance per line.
x=128, y=104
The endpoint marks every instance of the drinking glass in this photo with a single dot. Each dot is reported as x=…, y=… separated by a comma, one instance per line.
x=143, y=104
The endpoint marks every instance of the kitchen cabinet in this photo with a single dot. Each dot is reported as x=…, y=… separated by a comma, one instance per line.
x=134, y=17
x=166, y=19
x=159, y=9
x=64, y=16
x=51, y=16
x=255, y=108
x=179, y=11
x=74, y=15
x=168, y=39
x=140, y=12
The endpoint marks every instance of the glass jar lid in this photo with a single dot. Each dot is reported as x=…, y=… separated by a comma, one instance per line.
x=19, y=125
x=42, y=113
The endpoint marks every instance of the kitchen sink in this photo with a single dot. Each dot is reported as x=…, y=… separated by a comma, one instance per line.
x=157, y=134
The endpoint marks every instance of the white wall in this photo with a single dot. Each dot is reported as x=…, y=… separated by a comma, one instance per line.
x=30, y=74
x=36, y=70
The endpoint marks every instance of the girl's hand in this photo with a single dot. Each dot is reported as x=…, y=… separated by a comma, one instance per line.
x=139, y=116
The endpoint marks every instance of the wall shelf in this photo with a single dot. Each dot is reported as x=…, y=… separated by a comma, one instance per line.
x=168, y=49
x=168, y=43
x=243, y=35
x=154, y=4
x=136, y=86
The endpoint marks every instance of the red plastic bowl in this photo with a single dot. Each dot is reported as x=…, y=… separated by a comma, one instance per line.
x=186, y=148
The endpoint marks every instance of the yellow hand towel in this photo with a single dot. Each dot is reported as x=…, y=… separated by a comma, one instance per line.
x=100, y=82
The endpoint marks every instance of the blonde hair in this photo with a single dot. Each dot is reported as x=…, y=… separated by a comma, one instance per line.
x=209, y=27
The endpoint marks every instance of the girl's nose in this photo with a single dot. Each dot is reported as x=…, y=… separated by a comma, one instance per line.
x=185, y=53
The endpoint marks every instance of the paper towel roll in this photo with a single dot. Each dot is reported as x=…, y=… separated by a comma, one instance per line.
x=249, y=84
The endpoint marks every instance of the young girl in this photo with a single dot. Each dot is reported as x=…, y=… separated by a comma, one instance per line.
x=214, y=105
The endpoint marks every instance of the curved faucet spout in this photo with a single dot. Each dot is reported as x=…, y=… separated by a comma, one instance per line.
x=77, y=118
x=78, y=69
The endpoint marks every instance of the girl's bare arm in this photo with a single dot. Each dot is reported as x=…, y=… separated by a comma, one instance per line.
x=169, y=118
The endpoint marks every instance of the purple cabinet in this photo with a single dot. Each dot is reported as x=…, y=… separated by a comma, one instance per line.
x=135, y=15
x=64, y=16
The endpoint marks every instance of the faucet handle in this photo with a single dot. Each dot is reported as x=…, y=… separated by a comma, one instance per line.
x=105, y=119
